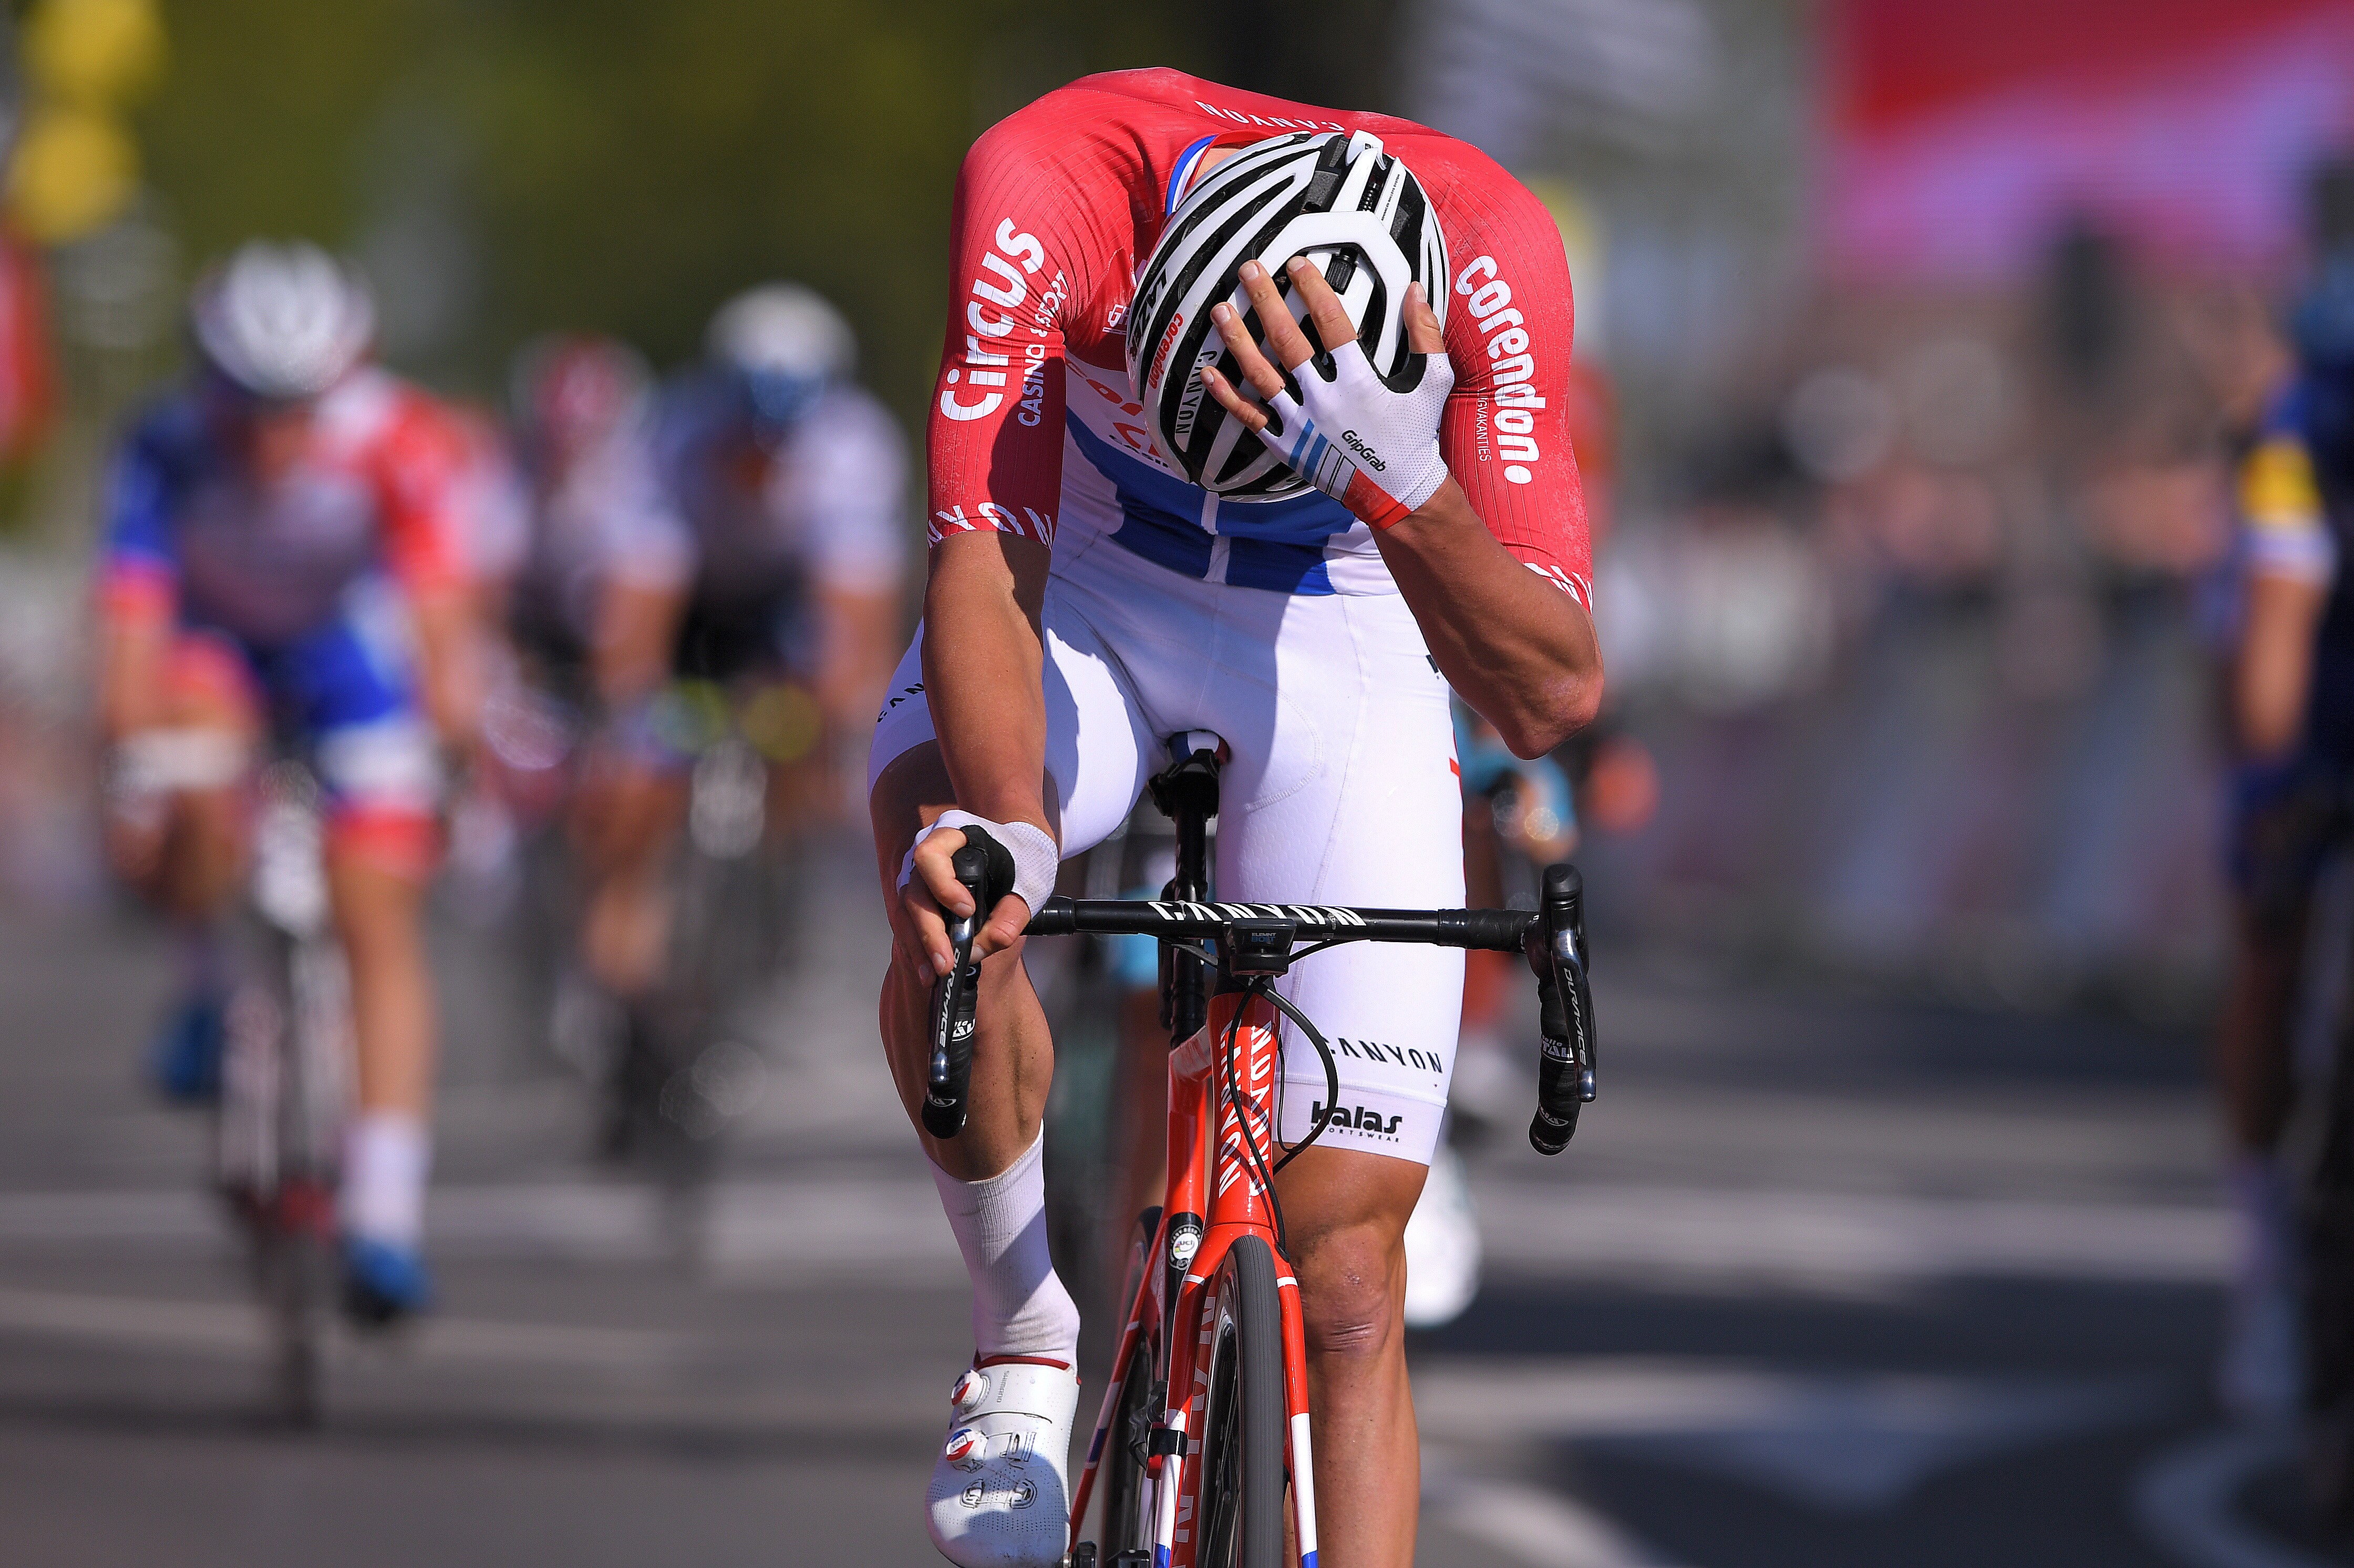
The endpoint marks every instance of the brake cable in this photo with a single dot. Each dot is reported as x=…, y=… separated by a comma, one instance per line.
x=1331, y=1075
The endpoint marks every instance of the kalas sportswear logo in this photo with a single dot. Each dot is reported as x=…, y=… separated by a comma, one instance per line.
x=1359, y=1119
x=1372, y=459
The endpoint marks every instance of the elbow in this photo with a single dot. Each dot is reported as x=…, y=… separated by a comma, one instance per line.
x=1538, y=727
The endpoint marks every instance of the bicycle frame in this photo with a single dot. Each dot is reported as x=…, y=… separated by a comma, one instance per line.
x=1222, y=1086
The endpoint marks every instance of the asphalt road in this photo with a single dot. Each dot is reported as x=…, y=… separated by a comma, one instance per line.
x=1825, y=1281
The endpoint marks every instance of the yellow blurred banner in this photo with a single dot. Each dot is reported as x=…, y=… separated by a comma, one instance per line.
x=73, y=170
x=76, y=166
x=94, y=53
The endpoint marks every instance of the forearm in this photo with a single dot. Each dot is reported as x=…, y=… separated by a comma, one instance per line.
x=449, y=663
x=982, y=667
x=863, y=633
x=2272, y=677
x=1520, y=651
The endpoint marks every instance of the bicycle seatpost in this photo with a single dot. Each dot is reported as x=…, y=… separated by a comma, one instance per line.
x=985, y=867
x=1187, y=794
x=1565, y=1008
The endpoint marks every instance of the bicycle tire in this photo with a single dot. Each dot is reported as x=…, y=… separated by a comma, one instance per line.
x=1127, y=1491
x=297, y=1270
x=1238, y=1474
x=1126, y=1525
x=316, y=1048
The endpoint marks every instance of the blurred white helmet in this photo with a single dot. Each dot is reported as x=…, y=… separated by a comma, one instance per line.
x=786, y=343
x=283, y=320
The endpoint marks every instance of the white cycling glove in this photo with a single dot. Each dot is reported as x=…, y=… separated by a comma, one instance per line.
x=1370, y=445
x=1035, y=857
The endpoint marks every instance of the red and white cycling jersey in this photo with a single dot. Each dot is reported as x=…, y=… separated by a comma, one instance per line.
x=1034, y=429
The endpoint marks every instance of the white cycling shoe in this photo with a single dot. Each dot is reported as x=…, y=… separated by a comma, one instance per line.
x=998, y=1497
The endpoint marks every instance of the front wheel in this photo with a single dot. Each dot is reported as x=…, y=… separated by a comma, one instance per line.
x=1237, y=1477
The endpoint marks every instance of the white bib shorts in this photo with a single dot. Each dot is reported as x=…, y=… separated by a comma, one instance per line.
x=1342, y=789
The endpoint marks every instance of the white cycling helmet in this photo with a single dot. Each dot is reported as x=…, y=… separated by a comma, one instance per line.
x=1339, y=200
x=283, y=320
x=786, y=343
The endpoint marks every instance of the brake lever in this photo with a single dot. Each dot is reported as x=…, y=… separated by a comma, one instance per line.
x=1556, y=948
x=985, y=868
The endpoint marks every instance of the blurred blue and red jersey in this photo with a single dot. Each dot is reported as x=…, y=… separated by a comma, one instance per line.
x=289, y=594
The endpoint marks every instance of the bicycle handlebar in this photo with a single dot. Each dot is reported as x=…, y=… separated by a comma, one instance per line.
x=1494, y=930
x=1258, y=937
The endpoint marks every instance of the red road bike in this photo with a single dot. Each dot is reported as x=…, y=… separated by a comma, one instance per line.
x=1205, y=1429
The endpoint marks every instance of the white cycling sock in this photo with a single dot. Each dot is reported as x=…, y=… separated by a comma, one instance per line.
x=385, y=1157
x=1019, y=1307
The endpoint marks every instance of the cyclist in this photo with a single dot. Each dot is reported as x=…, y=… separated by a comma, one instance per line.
x=282, y=553
x=592, y=607
x=787, y=482
x=792, y=480
x=594, y=595
x=1087, y=597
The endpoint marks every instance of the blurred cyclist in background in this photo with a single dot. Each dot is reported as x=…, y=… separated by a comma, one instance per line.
x=792, y=480
x=748, y=570
x=592, y=608
x=283, y=560
x=595, y=597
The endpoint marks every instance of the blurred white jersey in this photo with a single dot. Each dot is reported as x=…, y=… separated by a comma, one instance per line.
x=604, y=517
x=825, y=507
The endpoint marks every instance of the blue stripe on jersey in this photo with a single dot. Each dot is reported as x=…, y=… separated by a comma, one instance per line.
x=1278, y=567
x=1185, y=161
x=1160, y=517
x=1273, y=544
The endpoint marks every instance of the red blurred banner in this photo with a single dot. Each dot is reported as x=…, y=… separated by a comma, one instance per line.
x=1960, y=137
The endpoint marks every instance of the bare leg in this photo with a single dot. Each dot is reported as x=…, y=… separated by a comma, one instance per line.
x=1346, y=1215
x=983, y=1504
x=626, y=821
x=378, y=915
x=190, y=861
x=2254, y=1043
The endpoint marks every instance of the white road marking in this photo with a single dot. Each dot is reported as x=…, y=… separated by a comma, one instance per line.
x=860, y=1227
x=2183, y=1500
x=1750, y=1237
x=216, y=1328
